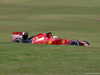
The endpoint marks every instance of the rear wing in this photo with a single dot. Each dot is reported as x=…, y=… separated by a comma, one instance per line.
x=19, y=35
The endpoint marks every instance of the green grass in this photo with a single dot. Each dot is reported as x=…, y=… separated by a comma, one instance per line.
x=72, y=19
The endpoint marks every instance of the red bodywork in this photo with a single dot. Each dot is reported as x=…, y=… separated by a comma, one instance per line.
x=45, y=39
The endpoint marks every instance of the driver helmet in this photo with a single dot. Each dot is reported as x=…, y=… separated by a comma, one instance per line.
x=49, y=34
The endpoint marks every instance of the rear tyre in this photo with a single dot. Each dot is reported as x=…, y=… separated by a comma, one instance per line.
x=18, y=40
x=25, y=36
x=75, y=43
x=86, y=42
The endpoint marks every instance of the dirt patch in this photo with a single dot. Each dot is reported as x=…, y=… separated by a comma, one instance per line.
x=96, y=19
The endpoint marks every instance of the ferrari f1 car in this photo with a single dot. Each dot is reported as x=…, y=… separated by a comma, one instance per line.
x=47, y=38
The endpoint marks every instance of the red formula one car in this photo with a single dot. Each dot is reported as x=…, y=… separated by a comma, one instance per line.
x=47, y=38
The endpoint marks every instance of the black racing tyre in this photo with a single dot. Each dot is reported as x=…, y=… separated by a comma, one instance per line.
x=18, y=40
x=86, y=42
x=75, y=43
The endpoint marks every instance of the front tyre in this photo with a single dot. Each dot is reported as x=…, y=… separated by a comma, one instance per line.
x=18, y=40
x=86, y=42
x=75, y=43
